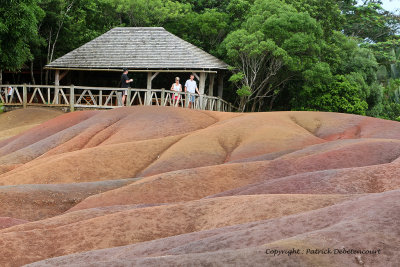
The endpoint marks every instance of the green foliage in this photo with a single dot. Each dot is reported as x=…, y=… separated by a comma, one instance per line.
x=369, y=21
x=205, y=30
x=327, y=13
x=244, y=91
x=337, y=94
x=274, y=38
x=199, y=6
x=388, y=56
x=237, y=10
x=144, y=13
x=18, y=28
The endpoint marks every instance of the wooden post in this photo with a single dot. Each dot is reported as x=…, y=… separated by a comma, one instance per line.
x=162, y=97
x=211, y=85
x=202, y=85
x=202, y=82
x=148, y=93
x=24, y=95
x=72, y=98
x=219, y=104
x=56, y=83
x=100, y=97
x=119, y=98
x=186, y=100
x=128, y=97
x=220, y=85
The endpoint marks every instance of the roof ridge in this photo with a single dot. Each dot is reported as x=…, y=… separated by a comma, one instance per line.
x=147, y=28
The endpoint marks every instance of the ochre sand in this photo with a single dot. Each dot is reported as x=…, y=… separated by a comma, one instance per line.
x=165, y=186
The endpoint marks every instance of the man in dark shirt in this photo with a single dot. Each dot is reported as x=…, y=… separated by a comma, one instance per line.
x=125, y=83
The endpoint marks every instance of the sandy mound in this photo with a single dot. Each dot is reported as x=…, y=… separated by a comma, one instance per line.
x=367, y=223
x=35, y=202
x=325, y=168
x=6, y=222
x=17, y=121
x=60, y=236
x=165, y=186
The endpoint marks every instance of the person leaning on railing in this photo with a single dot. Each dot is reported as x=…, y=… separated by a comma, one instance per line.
x=191, y=87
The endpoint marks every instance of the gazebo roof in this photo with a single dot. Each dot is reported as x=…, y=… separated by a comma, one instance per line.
x=138, y=48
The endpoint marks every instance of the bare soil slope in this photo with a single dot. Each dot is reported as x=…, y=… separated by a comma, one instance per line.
x=17, y=121
x=165, y=186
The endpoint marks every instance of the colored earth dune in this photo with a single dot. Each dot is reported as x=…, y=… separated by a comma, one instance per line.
x=160, y=186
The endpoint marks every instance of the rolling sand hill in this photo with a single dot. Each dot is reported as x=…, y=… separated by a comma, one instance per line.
x=159, y=186
x=17, y=121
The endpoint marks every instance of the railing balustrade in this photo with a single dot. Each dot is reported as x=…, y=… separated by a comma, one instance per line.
x=101, y=97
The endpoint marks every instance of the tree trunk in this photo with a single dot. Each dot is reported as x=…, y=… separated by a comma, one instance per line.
x=41, y=72
x=243, y=102
x=32, y=76
x=46, y=77
x=271, y=103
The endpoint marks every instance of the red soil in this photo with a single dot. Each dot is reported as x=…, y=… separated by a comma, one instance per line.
x=6, y=222
x=166, y=186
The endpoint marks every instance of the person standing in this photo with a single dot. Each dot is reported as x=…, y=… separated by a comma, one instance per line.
x=191, y=87
x=125, y=83
x=10, y=93
x=178, y=88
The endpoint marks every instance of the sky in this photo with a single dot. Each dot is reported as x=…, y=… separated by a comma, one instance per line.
x=393, y=5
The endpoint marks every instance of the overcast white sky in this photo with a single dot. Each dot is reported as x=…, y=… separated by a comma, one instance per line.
x=392, y=5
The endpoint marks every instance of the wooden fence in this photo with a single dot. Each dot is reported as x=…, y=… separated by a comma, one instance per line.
x=103, y=98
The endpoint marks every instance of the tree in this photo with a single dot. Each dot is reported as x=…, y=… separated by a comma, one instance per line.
x=144, y=13
x=275, y=42
x=388, y=56
x=18, y=28
x=205, y=30
x=344, y=81
x=327, y=13
x=369, y=21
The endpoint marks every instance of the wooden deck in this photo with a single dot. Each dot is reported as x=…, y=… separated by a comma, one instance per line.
x=82, y=97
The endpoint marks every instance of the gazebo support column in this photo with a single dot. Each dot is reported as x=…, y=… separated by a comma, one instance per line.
x=148, y=93
x=57, y=78
x=150, y=78
x=202, y=85
x=220, y=85
x=56, y=83
x=202, y=82
x=211, y=85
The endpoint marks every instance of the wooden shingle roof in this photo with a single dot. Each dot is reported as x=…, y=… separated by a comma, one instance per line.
x=140, y=48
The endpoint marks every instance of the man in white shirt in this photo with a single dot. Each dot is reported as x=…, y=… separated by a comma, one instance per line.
x=191, y=87
x=10, y=93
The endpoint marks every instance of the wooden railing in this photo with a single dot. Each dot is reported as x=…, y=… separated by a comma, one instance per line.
x=101, y=97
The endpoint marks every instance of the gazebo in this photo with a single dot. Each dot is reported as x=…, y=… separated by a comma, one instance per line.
x=142, y=49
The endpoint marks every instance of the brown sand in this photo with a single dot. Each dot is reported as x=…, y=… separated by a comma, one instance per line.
x=17, y=121
x=6, y=222
x=60, y=236
x=162, y=186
